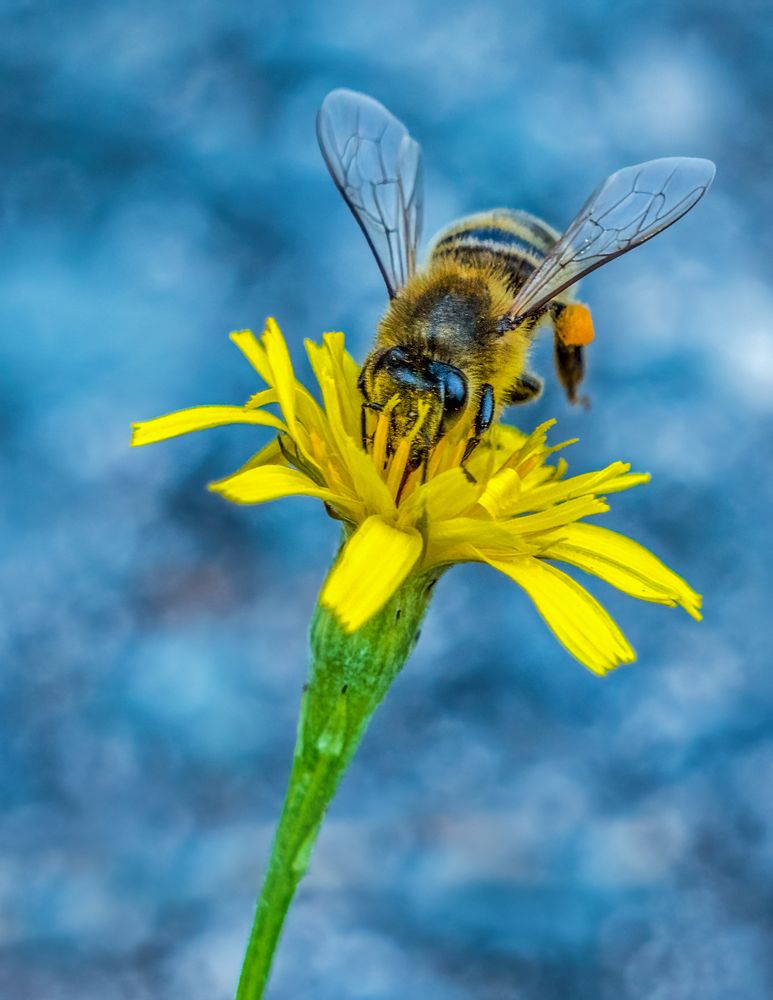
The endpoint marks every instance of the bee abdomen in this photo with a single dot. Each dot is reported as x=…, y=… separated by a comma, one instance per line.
x=516, y=240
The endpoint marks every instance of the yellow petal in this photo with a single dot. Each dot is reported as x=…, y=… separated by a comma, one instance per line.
x=561, y=514
x=324, y=372
x=254, y=352
x=460, y=538
x=557, y=491
x=373, y=564
x=366, y=481
x=283, y=376
x=349, y=367
x=199, y=418
x=311, y=423
x=626, y=481
x=299, y=409
x=623, y=563
x=271, y=482
x=271, y=454
x=560, y=446
x=262, y=398
x=501, y=490
x=505, y=438
x=345, y=373
x=448, y=495
x=533, y=443
x=574, y=616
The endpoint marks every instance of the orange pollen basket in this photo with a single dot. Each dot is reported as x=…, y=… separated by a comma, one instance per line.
x=574, y=325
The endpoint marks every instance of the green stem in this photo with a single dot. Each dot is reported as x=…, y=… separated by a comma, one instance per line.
x=349, y=676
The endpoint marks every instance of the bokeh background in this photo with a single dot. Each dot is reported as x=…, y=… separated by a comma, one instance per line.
x=513, y=826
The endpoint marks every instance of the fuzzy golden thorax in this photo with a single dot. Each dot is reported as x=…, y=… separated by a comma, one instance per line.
x=447, y=310
x=446, y=315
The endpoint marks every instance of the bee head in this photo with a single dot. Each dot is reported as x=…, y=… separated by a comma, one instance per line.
x=414, y=378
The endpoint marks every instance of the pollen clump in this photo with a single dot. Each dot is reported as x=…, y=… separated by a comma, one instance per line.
x=574, y=325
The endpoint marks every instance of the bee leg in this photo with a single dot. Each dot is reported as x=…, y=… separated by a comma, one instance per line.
x=366, y=438
x=425, y=458
x=367, y=405
x=573, y=330
x=483, y=420
x=570, y=367
x=406, y=472
x=525, y=388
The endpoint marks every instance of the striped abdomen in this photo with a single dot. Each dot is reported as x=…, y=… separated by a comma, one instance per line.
x=513, y=240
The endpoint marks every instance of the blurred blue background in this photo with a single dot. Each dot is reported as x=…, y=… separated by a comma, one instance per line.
x=513, y=826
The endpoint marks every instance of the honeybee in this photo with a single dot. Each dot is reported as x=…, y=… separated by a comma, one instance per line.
x=456, y=334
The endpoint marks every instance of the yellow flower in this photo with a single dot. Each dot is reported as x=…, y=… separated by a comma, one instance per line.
x=506, y=507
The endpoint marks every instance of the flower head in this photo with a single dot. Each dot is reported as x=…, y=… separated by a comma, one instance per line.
x=507, y=505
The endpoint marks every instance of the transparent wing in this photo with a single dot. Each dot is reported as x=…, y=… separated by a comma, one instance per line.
x=376, y=166
x=629, y=208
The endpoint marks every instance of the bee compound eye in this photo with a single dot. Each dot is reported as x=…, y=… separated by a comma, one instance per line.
x=394, y=357
x=406, y=370
x=453, y=385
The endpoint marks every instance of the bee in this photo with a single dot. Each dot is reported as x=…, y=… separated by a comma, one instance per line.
x=456, y=334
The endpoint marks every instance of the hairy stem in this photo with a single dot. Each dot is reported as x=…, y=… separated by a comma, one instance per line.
x=349, y=676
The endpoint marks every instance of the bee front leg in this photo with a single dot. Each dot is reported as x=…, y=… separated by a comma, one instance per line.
x=367, y=405
x=483, y=419
x=366, y=438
